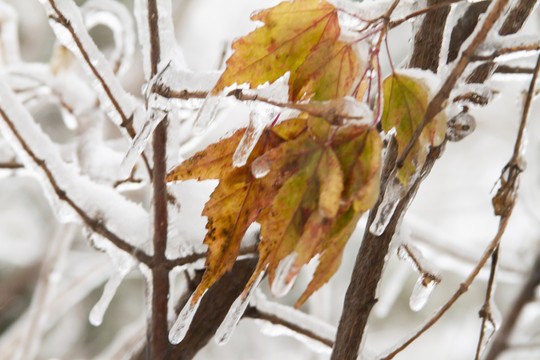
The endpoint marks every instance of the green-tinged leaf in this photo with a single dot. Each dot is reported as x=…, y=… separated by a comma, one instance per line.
x=405, y=102
x=330, y=259
x=330, y=178
x=359, y=151
x=328, y=72
x=292, y=128
x=291, y=30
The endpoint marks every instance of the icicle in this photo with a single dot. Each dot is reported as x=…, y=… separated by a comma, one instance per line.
x=139, y=142
x=181, y=326
x=96, y=315
x=207, y=113
x=282, y=283
x=225, y=330
x=387, y=207
x=258, y=119
x=421, y=292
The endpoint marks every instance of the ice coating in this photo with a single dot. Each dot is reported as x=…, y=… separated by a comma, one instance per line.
x=182, y=323
x=97, y=312
x=207, y=113
x=225, y=330
x=140, y=141
x=421, y=292
x=282, y=282
x=50, y=273
x=259, y=117
x=260, y=167
x=9, y=45
x=387, y=207
x=304, y=321
x=34, y=148
x=117, y=18
x=460, y=126
x=116, y=101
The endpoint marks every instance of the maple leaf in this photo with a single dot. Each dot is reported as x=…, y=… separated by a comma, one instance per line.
x=291, y=30
x=405, y=102
x=327, y=73
x=235, y=203
x=338, y=173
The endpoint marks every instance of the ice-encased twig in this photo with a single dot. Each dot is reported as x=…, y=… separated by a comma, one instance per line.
x=313, y=332
x=49, y=276
x=74, y=197
x=117, y=18
x=66, y=21
x=9, y=44
x=84, y=276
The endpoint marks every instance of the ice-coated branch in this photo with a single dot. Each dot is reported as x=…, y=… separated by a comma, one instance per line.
x=92, y=203
x=298, y=322
x=503, y=204
x=66, y=21
x=507, y=46
x=330, y=110
x=52, y=263
x=527, y=295
x=495, y=11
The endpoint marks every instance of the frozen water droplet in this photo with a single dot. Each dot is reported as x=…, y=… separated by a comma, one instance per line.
x=260, y=167
x=387, y=207
x=258, y=119
x=96, y=315
x=207, y=113
x=421, y=293
x=225, y=330
x=460, y=126
x=283, y=282
x=181, y=326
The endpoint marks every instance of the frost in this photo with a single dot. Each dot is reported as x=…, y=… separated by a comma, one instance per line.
x=421, y=292
x=460, y=126
x=387, y=207
x=259, y=118
x=282, y=282
x=182, y=323
x=238, y=308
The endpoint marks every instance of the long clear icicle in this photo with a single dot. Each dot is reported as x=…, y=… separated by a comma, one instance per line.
x=181, y=326
x=225, y=330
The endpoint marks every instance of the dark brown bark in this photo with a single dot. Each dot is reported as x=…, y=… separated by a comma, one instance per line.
x=464, y=28
x=428, y=40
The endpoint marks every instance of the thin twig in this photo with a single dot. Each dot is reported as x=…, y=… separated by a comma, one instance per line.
x=527, y=294
x=485, y=312
x=255, y=313
x=159, y=345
